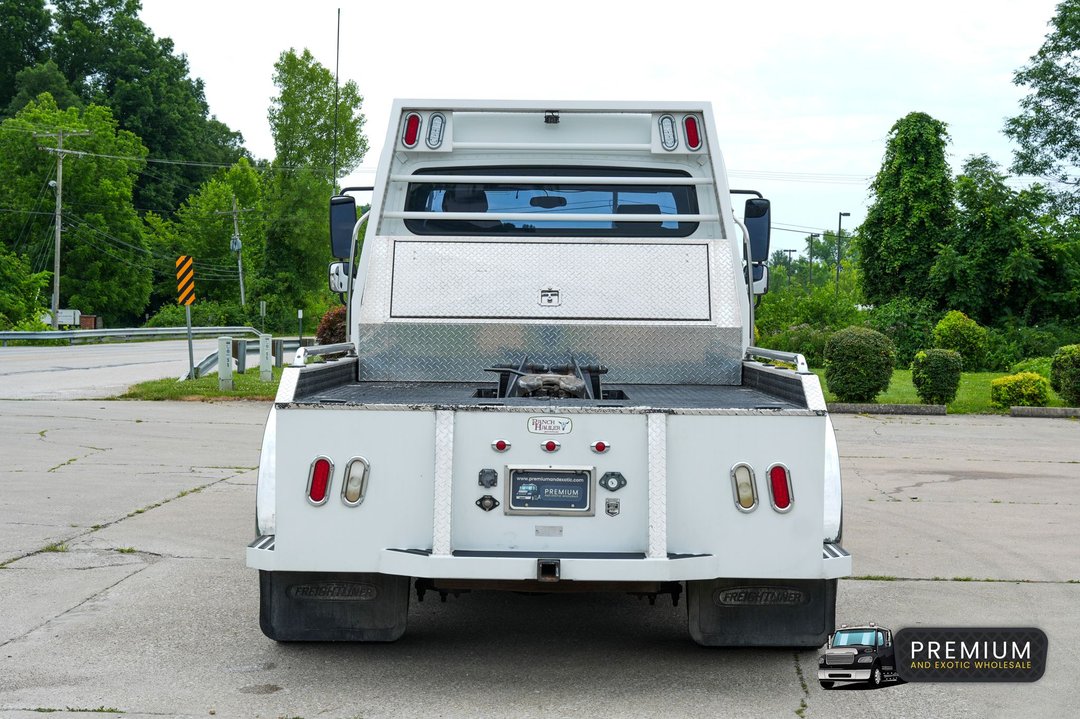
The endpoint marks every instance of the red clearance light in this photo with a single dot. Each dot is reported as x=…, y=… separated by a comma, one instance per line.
x=600, y=447
x=500, y=445
x=411, y=135
x=319, y=477
x=693, y=134
x=780, y=487
x=550, y=446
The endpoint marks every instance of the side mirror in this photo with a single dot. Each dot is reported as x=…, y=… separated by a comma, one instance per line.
x=339, y=278
x=761, y=279
x=759, y=225
x=342, y=221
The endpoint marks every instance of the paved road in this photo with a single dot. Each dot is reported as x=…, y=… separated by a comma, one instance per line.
x=151, y=610
x=91, y=371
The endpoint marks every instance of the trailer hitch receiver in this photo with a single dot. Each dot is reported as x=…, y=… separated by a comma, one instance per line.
x=547, y=570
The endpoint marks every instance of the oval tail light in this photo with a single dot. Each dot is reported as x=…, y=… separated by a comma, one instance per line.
x=410, y=135
x=669, y=138
x=693, y=132
x=354, y=487
x=742, y=484
x=436, y=130
x=780, y=487
x=319, y=477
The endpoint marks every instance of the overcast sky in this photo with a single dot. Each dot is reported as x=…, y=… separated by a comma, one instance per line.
x=804, y=93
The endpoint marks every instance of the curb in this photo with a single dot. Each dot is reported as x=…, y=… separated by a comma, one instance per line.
x=1044, y=411
x=918, y=409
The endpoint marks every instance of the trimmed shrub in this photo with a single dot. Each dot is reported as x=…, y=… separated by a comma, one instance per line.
x=858, y=364
x=1065, y=374
x=332, y=327
x=936, y=375
x=957, y=331
x=804, y=339
x=1025, y=389
x=908, y=322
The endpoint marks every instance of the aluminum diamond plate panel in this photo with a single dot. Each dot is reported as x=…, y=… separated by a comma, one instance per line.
x=550, y=280
x=634, y=354
x=657, y=485
x=444, y=472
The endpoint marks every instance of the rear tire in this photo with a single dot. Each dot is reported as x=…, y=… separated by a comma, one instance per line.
x=332, y=606
x=827, y=685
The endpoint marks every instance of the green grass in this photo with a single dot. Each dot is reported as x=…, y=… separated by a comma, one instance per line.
x=57, y=547
x=973, y=396
x=245, y=386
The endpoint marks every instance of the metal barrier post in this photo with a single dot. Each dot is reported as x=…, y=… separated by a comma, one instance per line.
x=224, y=364
x=265, y=372
x=241, y=355
x=279, y=353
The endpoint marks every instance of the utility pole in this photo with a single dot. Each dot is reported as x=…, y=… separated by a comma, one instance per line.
x=810, y=252
x=839, y=239
x=59, y=150
x=235, y=246
x=790, y=266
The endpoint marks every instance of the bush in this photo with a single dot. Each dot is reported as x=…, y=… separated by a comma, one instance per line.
x=1038, y=365
x=936, y=375
x=204, y=313
x=909, y=323
x=1065, y=374
x=858, y=364
x=1003, y=350
x=1025, y=389
x=804, y=339
x=332, y=327
x=957, y=331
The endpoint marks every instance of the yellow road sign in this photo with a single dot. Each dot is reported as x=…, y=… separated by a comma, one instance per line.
x=185, y=279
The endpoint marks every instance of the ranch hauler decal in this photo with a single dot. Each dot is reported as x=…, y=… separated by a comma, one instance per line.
x=550, y=425
x=955, y=654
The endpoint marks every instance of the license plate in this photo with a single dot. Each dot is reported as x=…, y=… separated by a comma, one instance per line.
x=549, y=490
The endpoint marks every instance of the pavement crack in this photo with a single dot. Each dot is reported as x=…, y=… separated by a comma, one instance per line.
x=93, y=596
x=800, y=711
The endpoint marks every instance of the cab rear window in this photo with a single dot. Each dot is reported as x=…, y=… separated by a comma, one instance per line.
x=547, y=204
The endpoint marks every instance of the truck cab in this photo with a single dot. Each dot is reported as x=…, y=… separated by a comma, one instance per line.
x=858, y=654
x=550, y=377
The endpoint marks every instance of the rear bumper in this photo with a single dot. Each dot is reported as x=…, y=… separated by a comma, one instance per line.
x=580, y=566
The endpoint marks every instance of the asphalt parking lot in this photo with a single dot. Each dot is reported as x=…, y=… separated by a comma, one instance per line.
x=150, y=610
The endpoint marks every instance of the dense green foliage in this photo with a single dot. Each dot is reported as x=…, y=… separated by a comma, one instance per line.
x=1047, y=129
x=1025, y=389
x=908, y=322
x=1065, y=374
x=936, y=375
x=858, y=364
x=911, y=213
x=956, y=331
x=22, y=292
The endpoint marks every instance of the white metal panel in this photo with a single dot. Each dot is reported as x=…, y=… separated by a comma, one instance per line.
x=486, y=279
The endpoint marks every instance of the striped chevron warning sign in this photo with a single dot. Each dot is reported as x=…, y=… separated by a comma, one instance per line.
x=185, y=279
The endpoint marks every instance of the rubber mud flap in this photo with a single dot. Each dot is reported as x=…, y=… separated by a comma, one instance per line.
x=761, y=612
x=332, y=606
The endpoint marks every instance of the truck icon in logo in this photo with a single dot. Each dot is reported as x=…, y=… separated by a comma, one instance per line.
x=861, y=654
x=527, y=491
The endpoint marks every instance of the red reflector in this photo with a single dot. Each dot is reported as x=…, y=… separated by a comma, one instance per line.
x=411, y=135
x=319, y=483
x=600, y=446
x=693, y=135
x=551, y=445
x=500, y=445
x=781, y=490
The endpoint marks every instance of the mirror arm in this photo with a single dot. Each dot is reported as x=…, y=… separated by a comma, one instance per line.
x=351, y=272
x=748, y=274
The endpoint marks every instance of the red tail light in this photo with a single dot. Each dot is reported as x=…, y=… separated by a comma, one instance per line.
x=693, y=134
x=319, y=477
x=411, y=135
x=780, y=487
x=550, y=446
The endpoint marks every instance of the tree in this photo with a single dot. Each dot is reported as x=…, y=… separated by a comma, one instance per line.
x=23, y=294
x=43, y=77
x=105, y=265
x=302, y=117
x=24, y=27
x=999, y=262
x=112, y=58
x=911, y=214
x=1047, y=129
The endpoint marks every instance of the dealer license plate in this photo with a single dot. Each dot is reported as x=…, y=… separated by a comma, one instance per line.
x=550, y=491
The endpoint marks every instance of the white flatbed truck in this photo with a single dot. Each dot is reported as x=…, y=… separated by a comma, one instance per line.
x=549, y=384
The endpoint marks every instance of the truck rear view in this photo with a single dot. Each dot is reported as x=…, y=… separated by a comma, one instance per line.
x=549, y=382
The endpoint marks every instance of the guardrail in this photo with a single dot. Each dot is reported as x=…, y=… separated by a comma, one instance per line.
x=127, y=333
x=210, y=361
